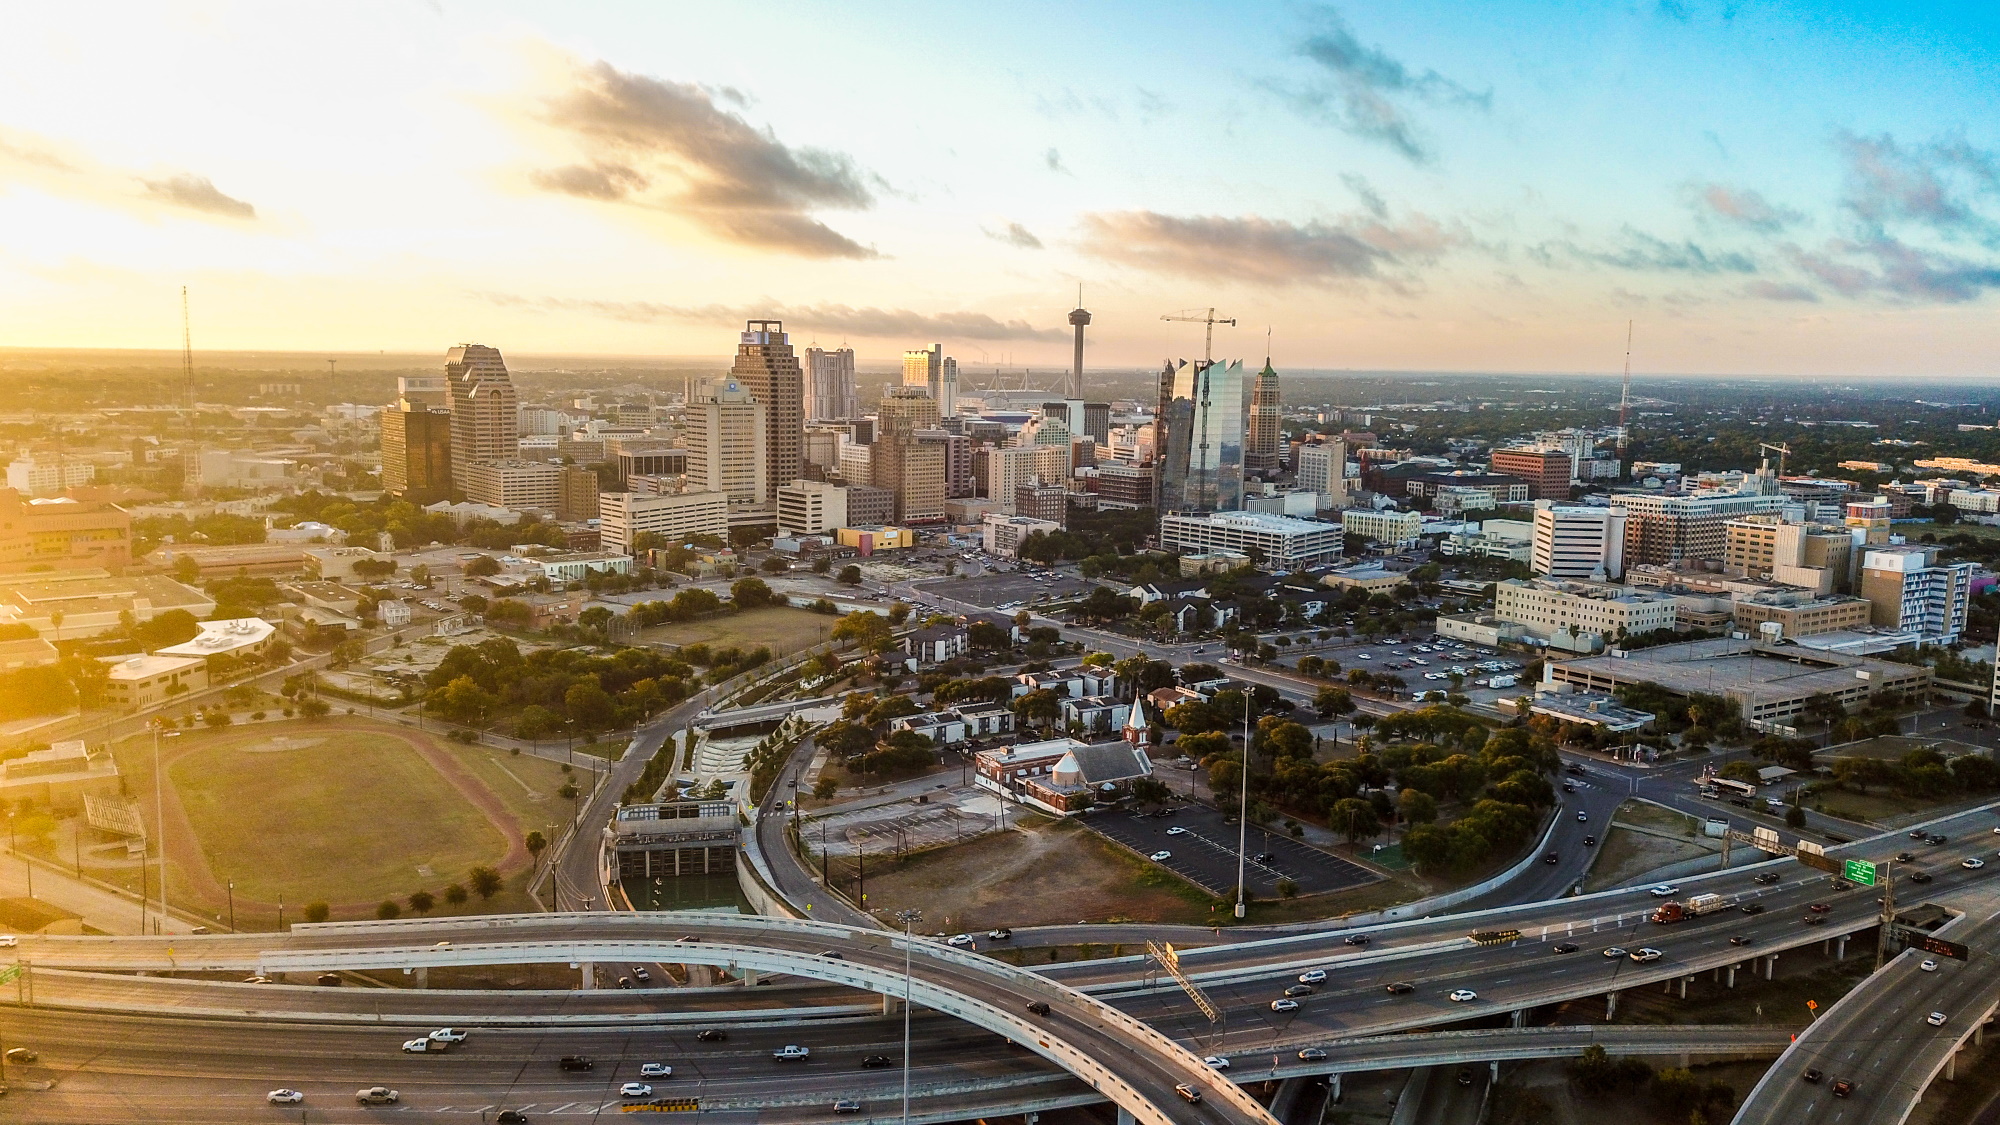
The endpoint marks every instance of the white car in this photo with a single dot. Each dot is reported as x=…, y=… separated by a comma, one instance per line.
x=1216, y=1062
x=1615, y=951
x=1284, y=1005
x=1463, y=995
x=1935, y=1019
x=419, y=1046
x=1973, y=864
x=792, y=1051
x=1161, y=856
x=1665, y=890
x=963, y=941
x=1313, y=976
x=1646, y=953
x=284, y=1097
x=448, y=1035
x=1928, y=965
x=1581, y=815
x=635, y=1090
x=655, y=1070
x=1176, y=830
x=7, y=941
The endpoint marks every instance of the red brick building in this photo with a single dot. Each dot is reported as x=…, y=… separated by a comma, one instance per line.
x=1547, y=471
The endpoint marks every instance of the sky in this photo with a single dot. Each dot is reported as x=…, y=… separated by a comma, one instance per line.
x=1760, y=188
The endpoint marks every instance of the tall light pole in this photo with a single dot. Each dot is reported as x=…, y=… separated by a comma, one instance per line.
x=909, y=917
x=1243, y=806
x=160, y=823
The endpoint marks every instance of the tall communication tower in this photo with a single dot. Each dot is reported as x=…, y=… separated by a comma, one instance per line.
x=1625, y=396
x=187, y=359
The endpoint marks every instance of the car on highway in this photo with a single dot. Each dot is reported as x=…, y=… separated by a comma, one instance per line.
x=1565, y=947
x=1299, y=990
x=284, y=1097
x=874, y=1061
x=1919, y=876
x=448, y=1035
x=1753, y=908
x=1935, y=1019
x=1355, y=939
x=1216, y=1062
x=655, y=1070
x=1766, y=878
x=847, y=1105
x=635, y=1090
x=1188, y=1093
x=1813, y=1075
x=1582, y=815
x=576, y=1062
x=1284, y=1005
x=712, y=1035
x=1917, y=833
x=377, y=1095
x=791, y=1051
x=1039, y=1007
x=1400, y=988
x=1590, y=841
x=511, y=1117
x=640, y=974
x=421, y=1046
x=1161, y=855
x=1664, y=890
x=1928, y=965
x=1313, y=976
x=1552, y=859
x=1842, y=1088
x=1463, y=995
x=1615, y=951
x=1569, y=786
x=1934, y=839
x=1646, y=953
x=257, y=980
x=1815, y=919
x=1176, y=830
x=1741, y=939
x=962, y=941
x=1973, y=864
x=1312, y=1054
x=1820, y=908
x=1906, y=857
x=1001, y=934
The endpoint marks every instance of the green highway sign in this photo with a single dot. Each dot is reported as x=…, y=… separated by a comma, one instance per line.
x=1859, y=871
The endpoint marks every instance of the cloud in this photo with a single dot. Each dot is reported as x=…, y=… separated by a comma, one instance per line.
x=1675, y=10
x=1366, y=193
x=1780, y=291
x=1930, y=185
x=198, y=193
x=1054, y=160
x=1646, y=253
x=1365, y=92
x=42, y=162
x=668, y=147
x=868, y=323
x=1265, y=251
x=1014, y=234
x=1745, y=207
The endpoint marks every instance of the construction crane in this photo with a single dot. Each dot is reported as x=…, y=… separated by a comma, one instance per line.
x=1782, y=450
x=1625, y=395
x=1207, y=317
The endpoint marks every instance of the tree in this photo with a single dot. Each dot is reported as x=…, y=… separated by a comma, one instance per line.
x=481, y=567
x=1795, y=817
x=752, y=593
x=317, y=912
x=988, y=637
x=1038, y=708
x=850, y=575
x=535, y=842
x=454, y=893
x=822, y=564
x=314, y=708
x=1740, y=771
x=388, y=909
x=486, y=882
x=462, y=700
x=589, y=705
x=422, y=902
x=1329, y=701
x=899, y=612
x=868, y=631
x=1416, y=806
x=1354, y=818
x=186, y=570
x=217, y=718
x=826, y=787
x=776, y=564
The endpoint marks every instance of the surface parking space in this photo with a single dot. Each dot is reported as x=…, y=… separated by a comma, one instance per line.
x=1204, y=852
x=994, y=590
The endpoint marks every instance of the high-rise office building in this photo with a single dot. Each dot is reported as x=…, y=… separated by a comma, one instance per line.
x=957, y=461
x=766, y=367
x=726, y=431
x=577, y=488
x=1204, y=412
x=1910, y=591
x=1322, y=468
x=947, y=394
x=416, y=452
x=1261, y=453
x=485, y=423
x=902, y=462
x=996, y=473
x=1665, y=530
x=1097, y=422
x=925, y=368
x=829, y=376
x=1547, y=471
x=1578, y=542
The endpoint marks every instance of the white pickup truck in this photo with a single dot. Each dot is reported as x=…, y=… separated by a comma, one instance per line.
x=791, y=1051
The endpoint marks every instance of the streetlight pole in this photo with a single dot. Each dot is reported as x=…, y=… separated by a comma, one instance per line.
x=232, y=906
x=1243, y=807
x=160, y=824
x=909, y=918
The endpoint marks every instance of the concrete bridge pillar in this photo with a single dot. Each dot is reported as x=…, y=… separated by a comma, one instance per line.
x=1978, y=1033
x=1519, y=1017
x=1951, y=1066
x=893, y=1004
x=1610, y=1005
x=423, y=976
x=1840, y=948
x=1333, y=1090
x=1732, y=975
x=1686, y=1059
x=1770, y=966
x=1684, y=990
x=1493, y=1071
x=589, y=974
x=1825, y=946
x=1030, y=1118
x=750, y=978
x=1124, y=1117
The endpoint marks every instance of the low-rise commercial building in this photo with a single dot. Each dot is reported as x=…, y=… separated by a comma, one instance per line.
x=519, y=485
x=61, y=533
x=1395, y=529
x=137, y=682
x=810, y=507
x=1580, y=616
x=1770, y=683
x=577, y=566
x=1284, y=543
x=624, y=516
x=60, y=777
x=1003, y=534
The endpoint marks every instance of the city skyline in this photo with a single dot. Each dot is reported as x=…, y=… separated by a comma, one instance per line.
x=1439, y=190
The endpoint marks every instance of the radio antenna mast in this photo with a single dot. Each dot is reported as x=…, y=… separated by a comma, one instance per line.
x=1625, y=395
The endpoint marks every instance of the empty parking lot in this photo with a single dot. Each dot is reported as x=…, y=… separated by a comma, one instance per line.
x=1204, y=852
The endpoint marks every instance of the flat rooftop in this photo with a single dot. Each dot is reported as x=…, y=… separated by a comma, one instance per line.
x=1727, y=666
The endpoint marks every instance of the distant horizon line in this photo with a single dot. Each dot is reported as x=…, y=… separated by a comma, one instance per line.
x=172, y=357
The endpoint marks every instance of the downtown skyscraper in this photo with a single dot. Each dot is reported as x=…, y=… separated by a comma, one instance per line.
x=829, y=376
x=1200, y=431
x=767, y=368
x=1261, y=453
x=485, y=422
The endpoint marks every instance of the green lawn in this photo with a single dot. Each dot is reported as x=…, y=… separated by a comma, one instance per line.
x=784, y=629
x=346, y=816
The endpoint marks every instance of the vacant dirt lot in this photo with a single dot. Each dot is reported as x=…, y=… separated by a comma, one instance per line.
x=1034, y=875
x=1626, y=853
x=782, y=628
